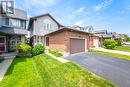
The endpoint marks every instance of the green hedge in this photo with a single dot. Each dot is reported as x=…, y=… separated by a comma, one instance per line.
x=38, y=49
x=109, y=43
x=23, y=48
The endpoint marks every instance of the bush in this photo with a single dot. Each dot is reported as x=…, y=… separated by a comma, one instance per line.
x=119, y=43
x=23, y=48
x=38, y=49
x=109, y=43
x=55, y=53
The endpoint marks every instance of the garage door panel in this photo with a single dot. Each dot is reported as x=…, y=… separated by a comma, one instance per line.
x=77, y=45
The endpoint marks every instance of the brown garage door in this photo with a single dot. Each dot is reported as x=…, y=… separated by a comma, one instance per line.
x=77, y=45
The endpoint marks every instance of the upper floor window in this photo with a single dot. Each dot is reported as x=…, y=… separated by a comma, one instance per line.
x=47, y=24
x=6, y=21
x=15, y=22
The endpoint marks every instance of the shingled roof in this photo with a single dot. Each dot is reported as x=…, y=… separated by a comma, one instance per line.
x=35, y=17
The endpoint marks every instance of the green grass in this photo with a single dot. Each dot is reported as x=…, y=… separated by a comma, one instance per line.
x=55, y=53
x=122, y=48
x=111, y=54
x=44, y=71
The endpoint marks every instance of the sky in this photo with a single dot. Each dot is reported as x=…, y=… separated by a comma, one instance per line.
x=113, y=15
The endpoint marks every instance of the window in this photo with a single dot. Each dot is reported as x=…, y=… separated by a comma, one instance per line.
x=47, y=26
x=16, y=23
x=2, y=40
x=7, y=7
x=47, y=41
x=6, y=21
x=23, y=24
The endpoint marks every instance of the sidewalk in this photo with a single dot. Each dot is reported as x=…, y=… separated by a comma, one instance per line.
x=112, y=51
x=58, y=58
x=8, y=58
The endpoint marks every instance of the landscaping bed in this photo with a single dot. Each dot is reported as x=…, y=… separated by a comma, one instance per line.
x=111, y=54
x=44, y=71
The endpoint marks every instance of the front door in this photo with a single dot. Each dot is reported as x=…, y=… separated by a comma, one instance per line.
x=2, y=44
x=13, y=41
x=95, y=43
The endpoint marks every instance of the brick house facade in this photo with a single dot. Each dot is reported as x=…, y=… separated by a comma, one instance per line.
x=60, y=40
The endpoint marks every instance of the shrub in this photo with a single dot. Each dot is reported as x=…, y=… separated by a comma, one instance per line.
x=23, y=48
x=109, y=43
x=38, y=49
x=119, y=43
x=55, y=53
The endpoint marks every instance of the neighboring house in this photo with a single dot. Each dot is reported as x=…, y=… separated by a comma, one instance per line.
x=109, y=35
x=104, y=34
x=89, y=29
x=44, y=29
x=12, y=29
x=41, y=25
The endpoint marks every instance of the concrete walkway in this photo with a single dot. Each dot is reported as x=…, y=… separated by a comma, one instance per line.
x=112, y=51
x=8, y=58
x=57, y=58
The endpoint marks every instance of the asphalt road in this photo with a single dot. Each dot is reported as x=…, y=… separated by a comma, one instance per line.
x=115, y=70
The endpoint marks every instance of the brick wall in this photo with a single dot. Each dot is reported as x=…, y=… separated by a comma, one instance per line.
x=61, y=40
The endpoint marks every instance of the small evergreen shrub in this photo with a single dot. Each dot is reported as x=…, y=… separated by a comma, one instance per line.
x=23, y=48
x=109, y=43
x=38, y=49
x=55, y=53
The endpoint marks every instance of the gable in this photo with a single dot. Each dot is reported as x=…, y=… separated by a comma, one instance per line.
x=43, y=25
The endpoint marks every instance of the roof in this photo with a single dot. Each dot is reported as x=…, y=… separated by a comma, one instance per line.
x=70, y=29
x=35, y=17
x=18, y=13
x=11, y=30
x=99, y=31
x=107, y=36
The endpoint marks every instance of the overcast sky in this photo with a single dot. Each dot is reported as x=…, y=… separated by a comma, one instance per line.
x=113, y=15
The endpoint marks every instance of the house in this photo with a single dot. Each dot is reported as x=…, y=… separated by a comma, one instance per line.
x=89, y=29
x=44, y=29
x=104, y=34
x=70, y=41
x=12, y=29
x=109, y=35
x=41, y=25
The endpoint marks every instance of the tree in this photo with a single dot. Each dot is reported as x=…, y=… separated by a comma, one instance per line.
x=127, y=38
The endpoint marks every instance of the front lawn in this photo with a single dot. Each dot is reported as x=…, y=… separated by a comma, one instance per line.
x=111, y=54
x=122, y=48
x=44, y=71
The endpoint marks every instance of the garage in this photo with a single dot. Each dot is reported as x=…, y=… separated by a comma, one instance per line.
x=77, y=45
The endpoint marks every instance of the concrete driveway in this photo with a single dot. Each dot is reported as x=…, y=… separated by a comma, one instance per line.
x=113, y=69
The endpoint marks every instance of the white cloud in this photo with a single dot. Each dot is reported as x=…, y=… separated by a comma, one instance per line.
x=103, y=5
x=80, y=10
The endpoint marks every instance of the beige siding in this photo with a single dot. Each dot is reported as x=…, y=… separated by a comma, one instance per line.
x=39, y=28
